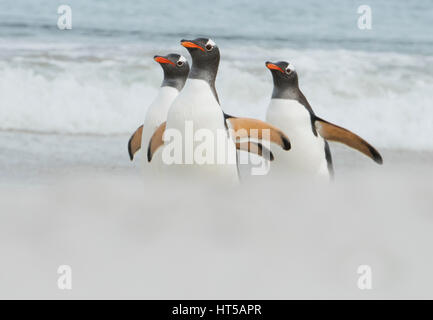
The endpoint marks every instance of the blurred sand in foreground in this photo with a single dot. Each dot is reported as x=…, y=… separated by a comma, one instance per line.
x=77, y=200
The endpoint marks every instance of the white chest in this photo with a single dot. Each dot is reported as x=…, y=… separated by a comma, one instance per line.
x=156, y=114
x=197, y=118
x=198, y=104
x=158, y=111
x=290, y=116
x=308, y=150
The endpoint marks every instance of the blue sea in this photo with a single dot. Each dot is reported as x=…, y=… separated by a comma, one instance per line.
x=99, y=77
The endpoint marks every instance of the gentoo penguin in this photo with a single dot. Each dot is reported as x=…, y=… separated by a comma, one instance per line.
x=196, y=108
x=290, y=111
x=176, y=69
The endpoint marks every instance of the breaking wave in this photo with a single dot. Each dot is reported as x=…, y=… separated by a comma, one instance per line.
x=385, y=97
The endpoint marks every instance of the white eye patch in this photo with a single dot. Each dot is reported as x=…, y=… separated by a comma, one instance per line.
x=182, y=59
x=210, y=41
x=290, y=67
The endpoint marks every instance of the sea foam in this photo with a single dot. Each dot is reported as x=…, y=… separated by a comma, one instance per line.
x=384, y=97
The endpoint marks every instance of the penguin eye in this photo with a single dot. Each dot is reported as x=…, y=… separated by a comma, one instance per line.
x=288, y=71
x=180, y=63
x=209, y=47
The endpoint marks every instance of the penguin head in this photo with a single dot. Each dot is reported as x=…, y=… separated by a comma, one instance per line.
x=176, y=69
x=204, y=52
x=283, y=73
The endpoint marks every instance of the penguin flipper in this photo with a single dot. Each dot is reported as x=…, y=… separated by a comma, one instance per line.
x=242, y=129
x=227, y=116
x=156, y=141
x=335, y=133
x=255, y=148
x=134, y=143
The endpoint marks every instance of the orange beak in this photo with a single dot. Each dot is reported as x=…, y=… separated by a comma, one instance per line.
x=163, y=60
x=189, y=44
x=272, y=66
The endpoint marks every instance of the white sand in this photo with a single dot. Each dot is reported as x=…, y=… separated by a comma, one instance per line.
x=77, y=200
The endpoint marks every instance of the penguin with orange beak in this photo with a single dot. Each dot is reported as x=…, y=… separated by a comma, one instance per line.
x=198, y=106
x=176, y=69
x=289, y=110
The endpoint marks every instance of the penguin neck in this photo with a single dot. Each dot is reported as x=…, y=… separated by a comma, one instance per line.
x=206, y=74
x=174, y=82
x=285, y=90
x=294, y=93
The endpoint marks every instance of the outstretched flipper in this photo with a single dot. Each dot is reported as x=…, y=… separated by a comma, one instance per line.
x=243, y=127
x=156, y=141
x=253, y=147
x=134, y=143
x=335, y=133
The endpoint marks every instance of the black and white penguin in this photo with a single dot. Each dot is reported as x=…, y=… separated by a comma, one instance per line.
x=176, y=69
x=290, y=111
x=196, y=108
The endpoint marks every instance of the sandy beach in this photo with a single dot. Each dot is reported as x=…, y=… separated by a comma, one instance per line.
x=78, y=200
x=42, y=159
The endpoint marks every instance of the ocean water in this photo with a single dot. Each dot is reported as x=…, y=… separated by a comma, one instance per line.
x=99, y=77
